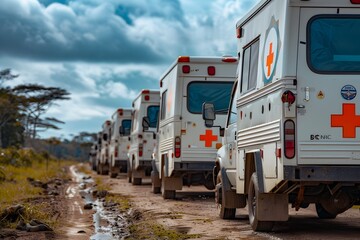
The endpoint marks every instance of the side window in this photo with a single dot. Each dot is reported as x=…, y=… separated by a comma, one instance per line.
x=233, y=113
x=250, y=67
x=163, y=105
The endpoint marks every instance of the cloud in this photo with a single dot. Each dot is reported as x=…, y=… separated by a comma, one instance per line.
x=105, y=52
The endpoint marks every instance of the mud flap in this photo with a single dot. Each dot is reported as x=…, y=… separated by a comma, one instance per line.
x=231, y=199
x=155, y=180
x=172, y=183
x=272, y=207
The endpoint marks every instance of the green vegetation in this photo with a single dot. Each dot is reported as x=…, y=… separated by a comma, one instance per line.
x=123, y=202
x=153, y=231
x=16, y=167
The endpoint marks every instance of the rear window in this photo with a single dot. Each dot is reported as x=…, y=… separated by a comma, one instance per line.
x=126, y=124
x=152, y=114
x=217, y=93
x=333, y=46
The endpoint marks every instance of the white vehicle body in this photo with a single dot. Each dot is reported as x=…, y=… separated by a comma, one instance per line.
x=143, y=138
x=92, y=156
x=97, y=145
x=187, y=149
x=297, y=126
x=103, y=166
x=119, y=142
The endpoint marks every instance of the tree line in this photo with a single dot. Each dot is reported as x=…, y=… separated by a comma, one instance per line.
x=22, y=110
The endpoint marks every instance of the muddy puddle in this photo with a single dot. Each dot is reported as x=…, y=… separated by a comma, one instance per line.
x=107, y=221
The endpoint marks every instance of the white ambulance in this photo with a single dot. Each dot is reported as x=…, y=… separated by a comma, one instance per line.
x=293, y=131
x=186, y=148
x=119, y=142
x=143, y=135
x=92, y=156
x=103, y=166
x=97, y=145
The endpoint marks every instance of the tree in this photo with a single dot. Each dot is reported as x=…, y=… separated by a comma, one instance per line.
x=10, y=127
x=38, y=99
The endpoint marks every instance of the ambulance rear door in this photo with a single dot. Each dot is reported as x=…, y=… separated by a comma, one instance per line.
x=328, y=78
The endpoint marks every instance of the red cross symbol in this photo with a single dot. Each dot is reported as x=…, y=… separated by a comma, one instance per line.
x=208, y=138
x=348, y=120
x=269, y=60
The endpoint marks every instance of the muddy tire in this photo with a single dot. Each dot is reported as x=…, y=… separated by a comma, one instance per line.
x=225, y=213
x=168, y=194
x=156, y=190
x=136, y=181
x=253, y=195
x=113, y=175
x=322, y=213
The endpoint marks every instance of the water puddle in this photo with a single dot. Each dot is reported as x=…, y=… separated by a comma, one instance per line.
x=109, y=223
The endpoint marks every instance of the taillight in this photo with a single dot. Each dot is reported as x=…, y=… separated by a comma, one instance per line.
x=186, y=69
x=288, y=96
x=120, y=111
x=211, y=70
x=140, y=150
x=116, y=152
x=177, y=147
x=355, y=1
x=289, y=139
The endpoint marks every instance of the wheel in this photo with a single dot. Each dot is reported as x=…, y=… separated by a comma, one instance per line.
x=253, y=194
x=168, y=194
x=155, y=180
x=113, y=175
x=322, y=213
x=136, y=181
x=225, y=213
x=129, y=173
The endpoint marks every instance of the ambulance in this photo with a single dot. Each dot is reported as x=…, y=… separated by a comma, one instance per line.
x=143, y=135
x=97, y=147
x=103, y=166
x=186, y=148
x=119, y=142
x=92, y=156
x=293, y=129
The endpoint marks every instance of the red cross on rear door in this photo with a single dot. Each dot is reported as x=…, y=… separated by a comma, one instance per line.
x=348, y=120
x=208, y=138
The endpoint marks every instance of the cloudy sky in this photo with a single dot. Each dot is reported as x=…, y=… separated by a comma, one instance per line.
x=105, y=51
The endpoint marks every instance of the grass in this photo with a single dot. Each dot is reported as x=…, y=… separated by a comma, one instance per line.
x=153, y=231
x=100, y=185
x=123, y=202
x=16, y=189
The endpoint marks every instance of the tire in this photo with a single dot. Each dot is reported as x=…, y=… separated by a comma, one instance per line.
x=136, y=181
x=322, y=213
x=168, y=194
x=225, y=213
x=129, y=173
x=113, y=175
x=154, y=189
x=253, y=194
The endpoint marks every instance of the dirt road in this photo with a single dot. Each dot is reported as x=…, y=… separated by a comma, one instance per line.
x=194, y=212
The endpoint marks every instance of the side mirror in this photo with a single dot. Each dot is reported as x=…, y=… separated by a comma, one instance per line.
x=208, y=114
x=146, y=123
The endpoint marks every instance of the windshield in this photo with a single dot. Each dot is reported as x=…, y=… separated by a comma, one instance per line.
x=152, y=114
x=217, y=93
x=126, y=125
x=333, y=44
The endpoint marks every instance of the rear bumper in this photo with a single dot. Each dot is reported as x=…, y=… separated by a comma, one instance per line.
x=194, y=166
x=322, y=173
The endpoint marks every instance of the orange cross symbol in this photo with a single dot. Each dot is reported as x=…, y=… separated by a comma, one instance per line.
x=348, y=120
x=208, y=138
x=269, y=60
